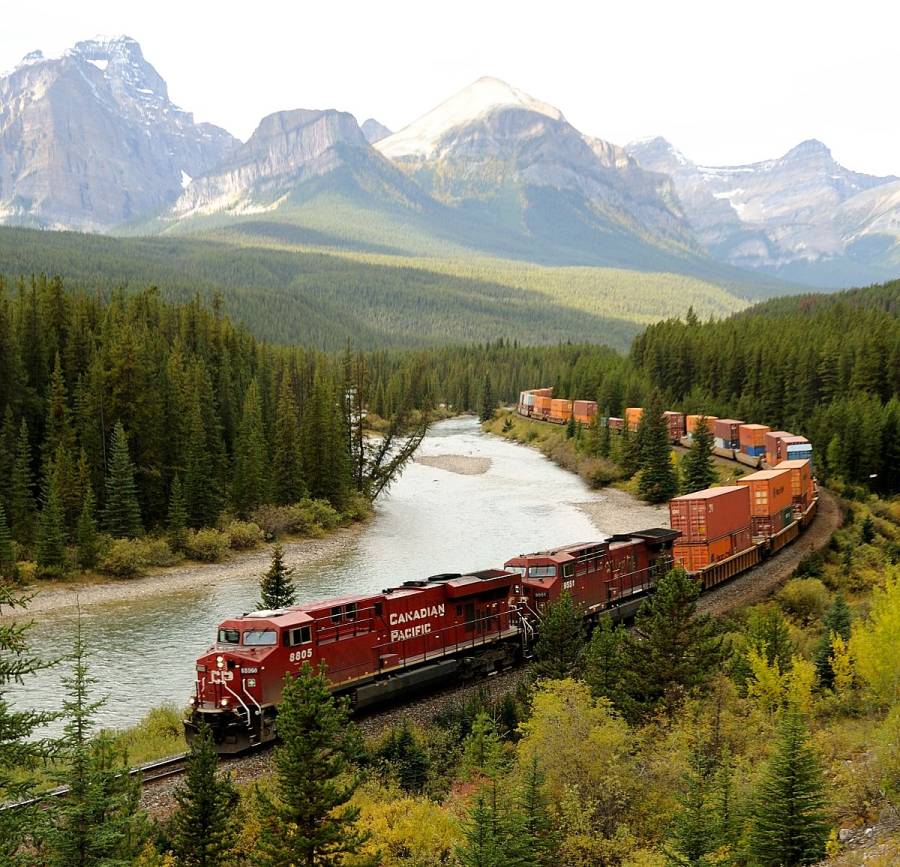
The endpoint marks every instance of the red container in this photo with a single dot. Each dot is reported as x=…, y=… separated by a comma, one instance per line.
x=694, y=556
x=543, y=392
x=752, y=435
x=711, y=514
x=726, y=429
x=675, y=422
x=584, y=410
x=615, y=423
x=774, y=449
x=770, y=491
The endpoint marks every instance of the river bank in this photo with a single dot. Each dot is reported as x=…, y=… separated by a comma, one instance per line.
x=62, y=596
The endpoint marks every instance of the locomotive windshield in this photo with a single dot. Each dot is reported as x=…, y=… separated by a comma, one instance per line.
x=260, y=637
x=519, y=570
x=229, y=636
x=542, y=572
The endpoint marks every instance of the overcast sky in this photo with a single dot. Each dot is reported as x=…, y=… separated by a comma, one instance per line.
x=726, y=82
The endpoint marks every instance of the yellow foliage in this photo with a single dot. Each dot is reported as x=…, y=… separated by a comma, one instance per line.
x=404, y=830
x=771, y=689
x=841, y=665
x=798, y=684
x=874, y=644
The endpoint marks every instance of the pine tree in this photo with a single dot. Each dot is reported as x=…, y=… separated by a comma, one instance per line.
x=51, y=539
x=252, y=485
x=672, y=650
x=8, y=569
x=287, y=457
x=482, y=749
x=604, y=661
x=204, y=833
x=629, y=451
x=789, y=819
x=493, y=834
x=560, y=643
x=86, y=531
x=698, y=469
x=99, y=820
x=201, y=486
x=325, y=459
x=21, y=499
x=538, y=835
x=22, y=748
x=176, y=522
x=658, y=482
x=308, y=820
x=122, y=514
x=836, y=622
x=488, y=403
x=405, y=758
x=276, y=588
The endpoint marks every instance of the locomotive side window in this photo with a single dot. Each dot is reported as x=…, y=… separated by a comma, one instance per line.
x=229, y=636
x=350, y=611
x=542, y=572
x=302, y=635
x=568, y=569
x=260, y=637
x=337, y=614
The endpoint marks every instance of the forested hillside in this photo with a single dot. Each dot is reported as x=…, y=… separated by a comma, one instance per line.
x=289, y=293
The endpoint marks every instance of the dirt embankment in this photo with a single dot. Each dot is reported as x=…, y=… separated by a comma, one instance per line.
x=60, y=596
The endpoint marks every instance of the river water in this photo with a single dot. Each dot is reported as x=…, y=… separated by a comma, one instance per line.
x=142, y=652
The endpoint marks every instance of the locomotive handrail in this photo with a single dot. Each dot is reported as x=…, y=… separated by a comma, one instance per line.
x=247, y=709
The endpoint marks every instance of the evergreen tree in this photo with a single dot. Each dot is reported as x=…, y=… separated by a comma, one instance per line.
x=276, y=587
x=251, y=486
x=201, y=484
x=672, y=650
x=560, y=642
x=658, y=482
x=309, y=820
x=482, y=749
x=488, y=403
x=325, y=458
x=51, y=539
x=405, y=758
x=22, y=748
x=99, y=821
x=86, y=532
x=629, y=451
x=604, y=661
x=204, y=833
x=177, y=519
x=8, y=569
x=493, y=835
x=538, y=835
x=789, y=820
x=287, y=458
x=122, y=514
x=698, y=469
x=836, y=622
x=21, y=499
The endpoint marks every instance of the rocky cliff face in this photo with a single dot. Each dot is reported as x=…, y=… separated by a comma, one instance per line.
x=803, y=208
x=374, y=131
x=90, y=140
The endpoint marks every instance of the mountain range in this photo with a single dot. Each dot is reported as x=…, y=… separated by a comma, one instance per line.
x=90, y=141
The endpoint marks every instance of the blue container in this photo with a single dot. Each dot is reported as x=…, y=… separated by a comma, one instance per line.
x=800, y=452
x=755, y=451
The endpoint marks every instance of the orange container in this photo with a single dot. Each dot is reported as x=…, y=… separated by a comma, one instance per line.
x=633, y=416
x=770, y=491
x=695, y=556
x=541, y=405
x=692, y=420
x=711, y=514
x=543, y=392
x=675, y=423
x=801, y=479
x=560, y=409
x=753, y=435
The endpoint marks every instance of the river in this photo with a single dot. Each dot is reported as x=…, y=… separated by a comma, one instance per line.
x=141, y=652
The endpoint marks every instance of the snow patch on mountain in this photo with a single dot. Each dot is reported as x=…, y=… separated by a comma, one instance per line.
x=421, y=137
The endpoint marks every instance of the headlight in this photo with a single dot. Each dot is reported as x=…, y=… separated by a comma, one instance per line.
x=192, y=701
x=220, y=661
x=224, y=702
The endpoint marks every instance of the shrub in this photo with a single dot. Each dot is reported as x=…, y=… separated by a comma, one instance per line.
x=26, y=571
x=804, y=598
x=208, y=545
x=357, y=508
x=272, y=520
x=125, y=558
x=323, y=513
x=810, y=566
x=244, y=534
x=158, y=553
x=599, y=472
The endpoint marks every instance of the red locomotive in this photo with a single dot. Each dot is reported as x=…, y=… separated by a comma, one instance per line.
x=380, y=646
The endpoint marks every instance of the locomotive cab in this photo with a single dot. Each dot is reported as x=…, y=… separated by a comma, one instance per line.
x=239, y=678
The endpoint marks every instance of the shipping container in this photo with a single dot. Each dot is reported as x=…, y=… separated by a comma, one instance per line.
x=708, y=515
x=541, y=405
x=528, y=400
x=726, y=429
x=543, y=392
x=616, y=423
x=801, y=453
x=753, y=436
x=754, y=451
x=584, y=410
x=560, y=410
x=694, y=556
x=774, y=453
x=801, y=479
x=633, y=416
x=675, y=423
x=770, y=491
x=691, y=422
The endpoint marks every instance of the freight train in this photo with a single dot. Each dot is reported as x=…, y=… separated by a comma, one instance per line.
x=385, y=645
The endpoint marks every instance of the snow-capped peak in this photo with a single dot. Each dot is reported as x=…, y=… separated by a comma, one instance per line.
x=481, y=97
